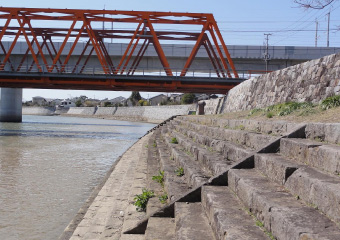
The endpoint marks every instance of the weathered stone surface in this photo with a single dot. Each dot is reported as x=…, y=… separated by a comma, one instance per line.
x=317, y=189
x=328, y=132
x=227, y=215
x=284, y=216
x=326, y=157
x=191, y=222
x=297, y=149
x=160, y=229
x=275, y=167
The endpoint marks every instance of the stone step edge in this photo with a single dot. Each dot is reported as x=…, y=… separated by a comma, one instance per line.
x=248, y=162
x=193, y=176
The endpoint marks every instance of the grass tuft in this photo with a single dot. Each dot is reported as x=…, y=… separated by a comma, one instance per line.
x=141, y=200
x=330, y=102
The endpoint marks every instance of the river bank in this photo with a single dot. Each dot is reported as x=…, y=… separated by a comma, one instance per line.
x=149, y=114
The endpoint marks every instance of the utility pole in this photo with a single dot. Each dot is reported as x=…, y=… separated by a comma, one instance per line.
x=316, y=32
x=266, y=56
x=329, y=16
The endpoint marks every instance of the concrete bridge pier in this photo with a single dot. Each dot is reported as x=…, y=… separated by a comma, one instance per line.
x=10, y=104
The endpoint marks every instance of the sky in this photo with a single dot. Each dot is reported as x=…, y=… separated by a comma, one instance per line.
x=242, y=22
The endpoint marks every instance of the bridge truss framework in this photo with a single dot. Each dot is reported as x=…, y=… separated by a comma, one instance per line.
x=49, y=67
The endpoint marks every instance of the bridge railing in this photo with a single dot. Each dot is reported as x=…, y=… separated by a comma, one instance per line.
x=99, y=70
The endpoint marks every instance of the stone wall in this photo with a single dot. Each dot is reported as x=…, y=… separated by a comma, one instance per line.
x=311, y=81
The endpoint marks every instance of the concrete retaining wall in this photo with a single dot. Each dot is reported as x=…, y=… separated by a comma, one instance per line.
x=44, y=111
x=81, y=111
x=101, y=111
x=311, y=81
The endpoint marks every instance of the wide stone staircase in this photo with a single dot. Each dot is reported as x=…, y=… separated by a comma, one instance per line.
x=242, y=179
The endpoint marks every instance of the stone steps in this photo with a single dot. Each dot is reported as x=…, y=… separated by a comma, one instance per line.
x=235, y=151
x=281, y=213
x=227, y=215
x=194, y=174
x=276, y=128
x=191, y=222
x=317, y=189
x=153, y=169
x=212, y=161
x=160, y=229
x=175, y=186
x=320, y=155
x=252, y=140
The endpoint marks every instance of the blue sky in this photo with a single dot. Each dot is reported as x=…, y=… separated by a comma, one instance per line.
x=241, y=23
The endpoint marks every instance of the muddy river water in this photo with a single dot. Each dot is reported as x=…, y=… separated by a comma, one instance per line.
x=50, y=165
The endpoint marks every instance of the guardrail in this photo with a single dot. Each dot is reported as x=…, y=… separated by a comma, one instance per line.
x=99, y=70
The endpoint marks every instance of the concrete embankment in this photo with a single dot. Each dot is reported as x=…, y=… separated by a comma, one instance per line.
x=153, y=114
x=44, y=111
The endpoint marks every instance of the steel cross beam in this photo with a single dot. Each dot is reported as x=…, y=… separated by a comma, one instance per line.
x=82, y=25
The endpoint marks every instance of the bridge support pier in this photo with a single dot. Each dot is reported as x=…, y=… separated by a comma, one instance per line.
x=10, y=104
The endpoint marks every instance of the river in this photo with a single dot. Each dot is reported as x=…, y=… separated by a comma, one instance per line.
x=49, y=166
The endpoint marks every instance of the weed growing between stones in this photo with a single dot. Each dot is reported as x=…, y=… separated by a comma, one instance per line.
x=179, y=172
x=269, y=115
x=141, y=200
x=159, y=178
x=189, y=153
x=154, y=144
x=239, y=127
x=147, y=146
x=163, y=198
x=330, y=102
x=260, y=225
x=174, y=140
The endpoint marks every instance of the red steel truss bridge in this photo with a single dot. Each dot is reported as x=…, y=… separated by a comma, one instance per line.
x=43, y=64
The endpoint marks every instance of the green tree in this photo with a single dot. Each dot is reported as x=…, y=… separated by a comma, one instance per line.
x=135, y=97
x=188, y=98
x=78, y=103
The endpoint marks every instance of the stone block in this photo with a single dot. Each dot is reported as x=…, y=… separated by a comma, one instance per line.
x=297, y=149
x=318, y=189
x=275, y=167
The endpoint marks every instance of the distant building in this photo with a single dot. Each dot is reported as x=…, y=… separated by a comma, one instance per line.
x=156, y=100
x=114, y=101
x=67, y=103
x=40, y=101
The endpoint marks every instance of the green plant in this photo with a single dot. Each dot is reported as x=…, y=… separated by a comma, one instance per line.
x=174, y=140
x=210, y=149
x=189, y=153
x=269, y=114
x=255, y=110
x=287, y=108
x=179, y=172
x=147, y=146
x=163, y=198
x=154, y=144
x=141, y=200
x=259, y=224
x=330, y=102
x=159, y=178
x=188, y=98
x=241, y=127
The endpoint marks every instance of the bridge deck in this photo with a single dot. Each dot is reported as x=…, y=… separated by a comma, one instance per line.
x=117, y=82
